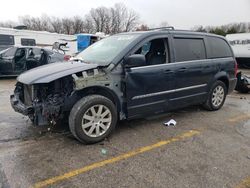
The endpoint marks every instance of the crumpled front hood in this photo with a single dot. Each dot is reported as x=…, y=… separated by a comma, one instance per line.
x=53, y=71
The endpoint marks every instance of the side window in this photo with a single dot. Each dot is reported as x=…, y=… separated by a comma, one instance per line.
x=155, y=51
x=187, y=49
x=37, y=53
x=145, y=48
x=7, y=40
x=28, y=42
x=218, y=48
x=20, y=52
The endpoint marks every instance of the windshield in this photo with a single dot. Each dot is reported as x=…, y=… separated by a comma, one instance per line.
x=104, y=51
x=10, y=52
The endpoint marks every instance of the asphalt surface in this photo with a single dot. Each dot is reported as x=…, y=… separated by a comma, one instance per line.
x=218, y=156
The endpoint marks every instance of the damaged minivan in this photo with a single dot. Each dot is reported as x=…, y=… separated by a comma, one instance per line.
x=126, y=76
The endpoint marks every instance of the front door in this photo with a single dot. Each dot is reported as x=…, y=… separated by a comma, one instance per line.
x=148, y=88
x=20, y=60
x=7, y=61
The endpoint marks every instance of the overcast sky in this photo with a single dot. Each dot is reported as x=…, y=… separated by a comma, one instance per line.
x=183, y=14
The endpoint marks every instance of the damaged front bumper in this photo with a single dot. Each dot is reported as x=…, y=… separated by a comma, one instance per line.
x=18, y=106
x=38, y=113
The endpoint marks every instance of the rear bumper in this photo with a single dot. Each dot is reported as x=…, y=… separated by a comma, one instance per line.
x=18, y=106
x=232, y=85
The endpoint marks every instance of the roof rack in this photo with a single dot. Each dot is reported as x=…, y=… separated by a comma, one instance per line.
x=162, y=28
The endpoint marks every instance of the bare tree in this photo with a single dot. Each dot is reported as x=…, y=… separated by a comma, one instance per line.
x=117, y=13
x=78, y=24
x=225, y=29
x=199, y=28
x=36, y=23
x=67, y=25
x=131, y=20
x=113, y=20
x=88, y=25
x=100, y=17
x=109, y=20
x=142, y=27
x=56, y=25
x=8, y=24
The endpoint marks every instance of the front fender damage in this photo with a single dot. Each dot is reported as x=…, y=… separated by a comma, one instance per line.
x=52, y=102
x=91, y=78
x=100, y=78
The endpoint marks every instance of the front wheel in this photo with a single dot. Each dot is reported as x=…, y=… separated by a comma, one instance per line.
x=216, y=96
x=92, y=118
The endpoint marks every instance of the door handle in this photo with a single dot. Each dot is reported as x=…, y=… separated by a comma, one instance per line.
x=183, y=69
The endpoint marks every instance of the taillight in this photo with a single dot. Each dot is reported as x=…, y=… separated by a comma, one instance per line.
x=67, y=57
x=235, y=68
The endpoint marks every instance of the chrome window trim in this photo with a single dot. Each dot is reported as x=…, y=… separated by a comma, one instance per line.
x=181, y=62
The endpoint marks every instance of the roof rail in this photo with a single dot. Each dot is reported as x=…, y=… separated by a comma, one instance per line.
x=162, y=28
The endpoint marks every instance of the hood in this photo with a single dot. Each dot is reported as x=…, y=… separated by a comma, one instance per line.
x=53, y=71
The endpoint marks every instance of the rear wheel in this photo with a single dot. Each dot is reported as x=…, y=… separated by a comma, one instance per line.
x=92, y=118
x=216, y=96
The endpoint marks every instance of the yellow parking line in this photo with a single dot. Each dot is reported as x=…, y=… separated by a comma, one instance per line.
x=239, y=118
x=244, y=184
x=114, y=159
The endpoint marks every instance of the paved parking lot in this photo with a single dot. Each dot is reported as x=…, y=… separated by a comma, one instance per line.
x=204, y=149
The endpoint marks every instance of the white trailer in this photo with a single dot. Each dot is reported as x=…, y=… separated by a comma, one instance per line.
x=11, y=37
x=240, y=43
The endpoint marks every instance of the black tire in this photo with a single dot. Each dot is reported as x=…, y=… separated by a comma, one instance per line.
x=83, y=106
x=208, y=105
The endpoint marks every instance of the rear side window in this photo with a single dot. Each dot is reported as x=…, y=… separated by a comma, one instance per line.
x=187, y=49
x=37, y=51
x=7, y=40
x=218, y=48
x=28, y=42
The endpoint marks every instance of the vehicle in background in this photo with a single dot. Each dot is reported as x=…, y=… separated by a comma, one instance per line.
x=85, y=39
x=243, y=83
x=125, y=76
x=66, y=44
x=21, y=37
x=16, y=60
x=240, y=43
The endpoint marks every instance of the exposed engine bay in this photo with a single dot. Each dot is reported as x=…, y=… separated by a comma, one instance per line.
x=48, y=103
x=46, y=100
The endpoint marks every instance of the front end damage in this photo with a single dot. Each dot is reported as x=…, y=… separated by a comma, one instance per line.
x=42, y=103
x=47, y=103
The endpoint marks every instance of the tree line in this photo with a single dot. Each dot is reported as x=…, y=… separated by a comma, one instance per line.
x=243, y=27
x=115, y=19
x=109, y=20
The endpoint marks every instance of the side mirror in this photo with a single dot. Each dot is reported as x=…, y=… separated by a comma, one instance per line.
x=135, y=60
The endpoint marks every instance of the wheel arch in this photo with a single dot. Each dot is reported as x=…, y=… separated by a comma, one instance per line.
x=103, y=91
x=223, y=76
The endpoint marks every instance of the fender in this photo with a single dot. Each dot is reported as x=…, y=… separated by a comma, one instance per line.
x=101, y=90
x=222, y=75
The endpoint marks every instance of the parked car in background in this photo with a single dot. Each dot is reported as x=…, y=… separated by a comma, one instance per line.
x=22, y=37
x=70, y=44
x=16, y=60
x=126, y=76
